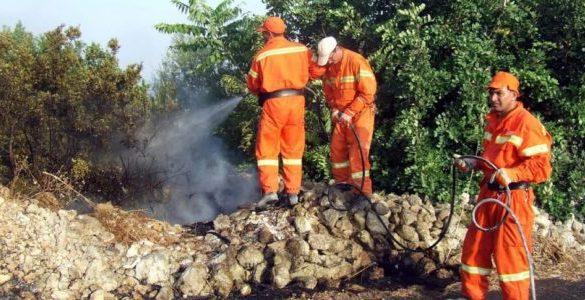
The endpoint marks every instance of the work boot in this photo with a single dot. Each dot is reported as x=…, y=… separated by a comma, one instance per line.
x=293, y=199
x=359, y=202
x=269, y=199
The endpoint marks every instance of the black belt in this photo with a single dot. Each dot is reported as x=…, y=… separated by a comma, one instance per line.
x=262, y=97
x=520, y=185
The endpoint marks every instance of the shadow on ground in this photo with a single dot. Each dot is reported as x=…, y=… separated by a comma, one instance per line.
x=549, y=288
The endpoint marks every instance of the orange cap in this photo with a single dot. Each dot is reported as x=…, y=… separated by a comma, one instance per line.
x=272, y=24
x=504, y=79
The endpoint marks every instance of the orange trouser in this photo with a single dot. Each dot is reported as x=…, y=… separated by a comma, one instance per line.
x=346, y=160
x=281, y=131
x=505, y=244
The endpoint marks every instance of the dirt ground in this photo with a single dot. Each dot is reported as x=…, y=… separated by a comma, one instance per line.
x=560, y=274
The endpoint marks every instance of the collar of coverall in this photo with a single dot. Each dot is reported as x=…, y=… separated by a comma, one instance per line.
x=274, y=40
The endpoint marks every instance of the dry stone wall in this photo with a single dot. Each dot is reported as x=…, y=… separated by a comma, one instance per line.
x=63, y=255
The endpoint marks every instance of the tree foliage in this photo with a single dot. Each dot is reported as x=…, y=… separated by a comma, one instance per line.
x=64, y=102
x=432, y=60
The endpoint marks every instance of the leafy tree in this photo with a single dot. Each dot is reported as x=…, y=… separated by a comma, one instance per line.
x=432, y=60
x=64, y=101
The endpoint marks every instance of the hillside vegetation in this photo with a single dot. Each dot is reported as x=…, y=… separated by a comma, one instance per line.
x=66, y=104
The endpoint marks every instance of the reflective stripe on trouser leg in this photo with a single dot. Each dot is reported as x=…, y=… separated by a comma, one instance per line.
x=476, y=256
x=509, y=253
x=357, y=180
x=293, y=144
x=364, y=129
x=339, y=155
x=292, y=174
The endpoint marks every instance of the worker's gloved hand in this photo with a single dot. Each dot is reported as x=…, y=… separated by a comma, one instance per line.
x=466, y=164
x=504, y=176
x=345, y=119
x=334, y=114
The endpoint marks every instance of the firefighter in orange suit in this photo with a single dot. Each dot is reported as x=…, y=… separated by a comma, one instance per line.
x=517, y=143
x=349, y=86
x=278, y=75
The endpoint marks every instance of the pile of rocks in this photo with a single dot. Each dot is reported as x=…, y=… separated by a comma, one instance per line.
x=64, y=255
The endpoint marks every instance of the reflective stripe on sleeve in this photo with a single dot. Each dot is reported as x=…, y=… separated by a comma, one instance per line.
x=340, y=165
x=513, y=139
x=475, y=270
x=253, y=74
x=487, y=136
x=267, y=162
x=347, y=79
x=538, y=149
x=366, y=74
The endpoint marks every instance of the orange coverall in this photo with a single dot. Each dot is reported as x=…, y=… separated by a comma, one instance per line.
x=280, y=64
x=521, y=143
x=349, y=86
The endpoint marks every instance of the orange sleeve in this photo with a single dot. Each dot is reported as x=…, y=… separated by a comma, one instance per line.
x=366, y=86
x=254, y=77
x=535, y=151
x=315, y=71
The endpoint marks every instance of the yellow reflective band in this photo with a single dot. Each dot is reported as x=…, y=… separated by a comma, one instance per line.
x=538, y=149
x=253, y=74
x=475, y=270
x=341, y=165
x=515, y=277
x=505, y=175
x=292, y=162
x=346, y=79
x=513, y=139
x=357, y=175
x=267, y=162
x=366, y=74
x=487, y=136
x=281, y=51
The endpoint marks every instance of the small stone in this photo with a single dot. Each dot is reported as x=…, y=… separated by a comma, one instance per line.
x=381, y=208
x=5, y=278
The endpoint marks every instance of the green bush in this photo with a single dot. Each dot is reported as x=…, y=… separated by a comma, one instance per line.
x=432, y=60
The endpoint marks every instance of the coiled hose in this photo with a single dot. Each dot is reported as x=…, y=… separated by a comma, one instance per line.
x=508, y=212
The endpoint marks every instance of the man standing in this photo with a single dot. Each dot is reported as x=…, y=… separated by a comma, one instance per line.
x=519, y=145
x=278, y=75
x=349, y=86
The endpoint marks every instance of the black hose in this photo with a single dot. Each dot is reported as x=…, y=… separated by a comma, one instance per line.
x=509, y=212
x=508, y=194
x=389, y=234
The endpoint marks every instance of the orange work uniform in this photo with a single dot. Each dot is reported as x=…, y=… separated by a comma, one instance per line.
x=280, y=64
x=521, y=143
x=349, y=86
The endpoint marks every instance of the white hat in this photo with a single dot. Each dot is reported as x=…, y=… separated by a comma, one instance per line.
x=324, y=49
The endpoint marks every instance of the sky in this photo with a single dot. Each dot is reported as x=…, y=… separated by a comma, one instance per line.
x=130, y=21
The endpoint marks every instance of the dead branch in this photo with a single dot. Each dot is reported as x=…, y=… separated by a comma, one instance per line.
x=67, y=185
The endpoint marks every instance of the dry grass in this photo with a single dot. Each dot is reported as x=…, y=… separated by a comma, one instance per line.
x=48, y=200
x=132, y=226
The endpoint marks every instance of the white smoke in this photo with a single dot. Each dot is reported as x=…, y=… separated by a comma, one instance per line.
x=197, y=180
